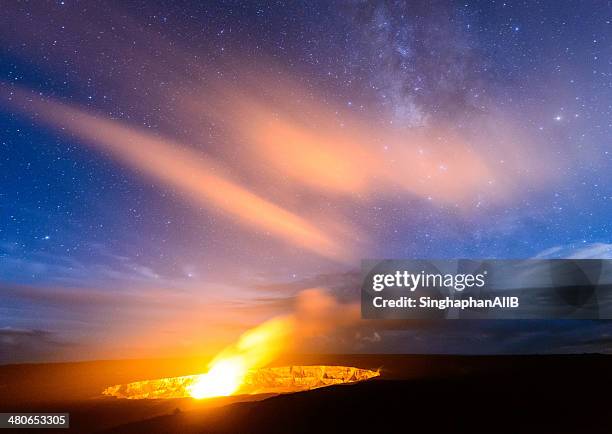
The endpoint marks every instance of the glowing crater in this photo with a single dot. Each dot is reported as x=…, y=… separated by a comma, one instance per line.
x=228, y=378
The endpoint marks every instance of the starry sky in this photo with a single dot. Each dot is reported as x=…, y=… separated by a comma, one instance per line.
x=172, y=173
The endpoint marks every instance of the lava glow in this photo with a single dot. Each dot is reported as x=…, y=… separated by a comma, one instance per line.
x=255, y=348
x=241, y=368
x=286, y=379
x=223, y=379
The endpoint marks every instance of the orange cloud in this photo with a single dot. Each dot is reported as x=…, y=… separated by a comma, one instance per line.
x=332, y=150
x=174, y=164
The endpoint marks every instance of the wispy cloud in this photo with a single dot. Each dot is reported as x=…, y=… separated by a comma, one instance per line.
x=174, y=164
x=578, y=251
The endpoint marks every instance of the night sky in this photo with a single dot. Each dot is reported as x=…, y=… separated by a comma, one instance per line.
x=172, y=174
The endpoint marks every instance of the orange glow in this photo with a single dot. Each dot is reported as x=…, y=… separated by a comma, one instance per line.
x=255, y=348
x=223, y=379
x=316, y=313
x=240, y=368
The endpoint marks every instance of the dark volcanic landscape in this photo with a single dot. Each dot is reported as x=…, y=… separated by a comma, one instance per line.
x=488, y=394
